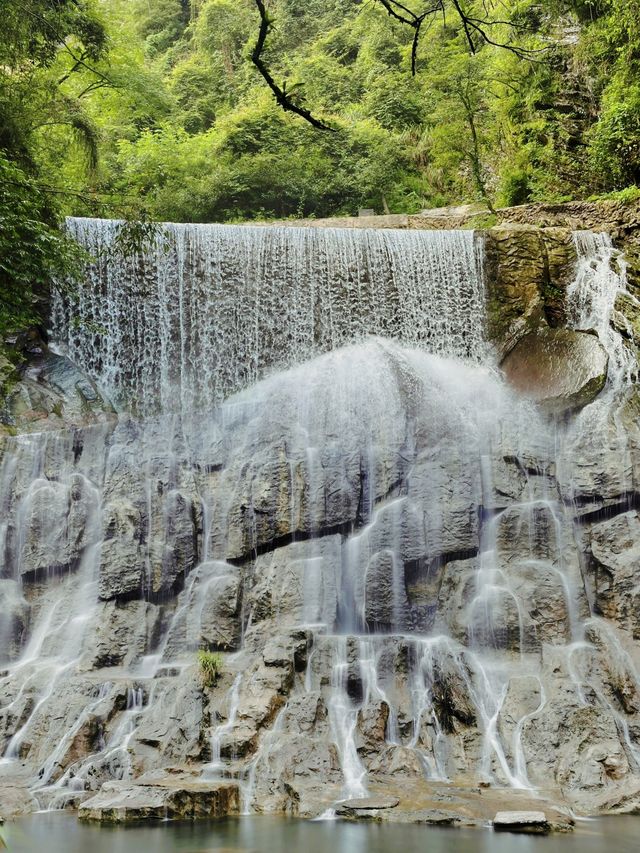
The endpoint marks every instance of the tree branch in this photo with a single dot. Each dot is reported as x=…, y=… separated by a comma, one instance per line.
x=471, y=26
x=283, y=99
x=406, y=16
x=79, y=61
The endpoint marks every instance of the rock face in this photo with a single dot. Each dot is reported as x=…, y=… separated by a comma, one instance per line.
x=418, y=587
x=558, y=368
x=615, y=550
x=529, y=271
x=362, y=594
x=41, y=390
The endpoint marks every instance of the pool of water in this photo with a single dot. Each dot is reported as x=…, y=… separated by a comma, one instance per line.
x=62, y=833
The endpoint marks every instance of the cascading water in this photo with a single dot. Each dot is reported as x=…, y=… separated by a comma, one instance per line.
x=207, y=310
x=379, y=536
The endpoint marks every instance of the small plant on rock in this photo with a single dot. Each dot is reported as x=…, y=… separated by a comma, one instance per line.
x=210, y=664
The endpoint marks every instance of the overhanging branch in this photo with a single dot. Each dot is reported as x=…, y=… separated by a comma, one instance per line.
x=283, y=98
x=476, y=30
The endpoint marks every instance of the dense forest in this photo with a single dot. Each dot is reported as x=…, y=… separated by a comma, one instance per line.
x=154, y=110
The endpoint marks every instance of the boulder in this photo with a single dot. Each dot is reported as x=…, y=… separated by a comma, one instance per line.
x=363, y=807
x=47, y=391
x=126, y=802
x=560, y=369
x=533, y=822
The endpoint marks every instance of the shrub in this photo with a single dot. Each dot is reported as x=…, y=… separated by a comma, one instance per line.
x=34, y=253
x=210, y=664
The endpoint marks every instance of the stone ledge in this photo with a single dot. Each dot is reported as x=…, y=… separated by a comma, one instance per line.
x=531, y=822
x=122, y=802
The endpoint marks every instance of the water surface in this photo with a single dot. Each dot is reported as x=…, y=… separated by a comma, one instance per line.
x=62, y=833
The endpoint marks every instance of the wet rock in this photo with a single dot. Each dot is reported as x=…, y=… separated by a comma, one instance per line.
x=615, y=550
x=296, y=774
x=626, y=318
x=306, y=713
x=603, y=455
x=611, y=666
x=625, y=799
x=208, y=610
x=592, y=756
x=458, y=588
x=124, y=633
x=560, y=369
x=287, y=651
x=441, y=817
x=443, y=485
x=172, y=728
x=122, y=563
x=48, y=392
x=372, y=725
x=60, y=524
x=523, y=698
x=174, y=555
x=124, y=802
x=386, y=602
x=529, y=822
x=14, y=618
x=298, y=583
x=451, y=695
x=16, y=801
x=394, y=761
x=365, y=807
x=79, y=392
x=528, y=272
x=66, y=726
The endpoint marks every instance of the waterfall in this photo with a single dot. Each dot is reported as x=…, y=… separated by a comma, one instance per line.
x=207, y=310
x=591, y=298
x=319, y=473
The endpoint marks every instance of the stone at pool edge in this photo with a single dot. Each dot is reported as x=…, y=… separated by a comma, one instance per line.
x=529, y=822
x=119, y=802
x=361, y=805
x=561, y=369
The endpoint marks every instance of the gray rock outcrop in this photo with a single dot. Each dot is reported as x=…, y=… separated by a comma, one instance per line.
x=560, y=369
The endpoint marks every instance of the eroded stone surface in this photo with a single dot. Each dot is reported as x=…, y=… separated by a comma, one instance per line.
x=559, y=368
x=529, y=822
x=119, y=803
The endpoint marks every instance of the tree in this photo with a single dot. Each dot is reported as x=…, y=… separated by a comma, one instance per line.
x=477, y=21
x=43, y=44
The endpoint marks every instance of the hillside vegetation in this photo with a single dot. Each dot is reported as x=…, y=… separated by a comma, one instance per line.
x=152, y=109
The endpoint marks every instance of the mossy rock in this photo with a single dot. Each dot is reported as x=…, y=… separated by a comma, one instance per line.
x=528, y=270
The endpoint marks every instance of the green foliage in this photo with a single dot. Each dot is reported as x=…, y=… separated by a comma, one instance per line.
x=151, y=109
x=135, y=236
x=34, y=254
x=209, y=664
x=615, y=140
x=43, y=44
x=629, y=195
